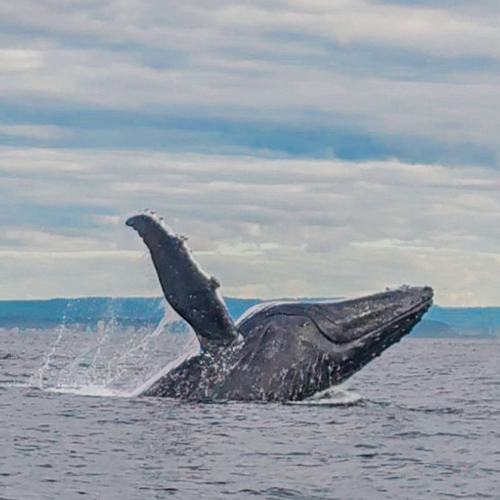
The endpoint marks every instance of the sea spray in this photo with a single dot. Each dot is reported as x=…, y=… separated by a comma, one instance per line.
x=37, y=379
x=111, y=359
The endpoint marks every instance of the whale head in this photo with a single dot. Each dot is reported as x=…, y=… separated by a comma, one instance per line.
x=296, y=349
x=365, y=327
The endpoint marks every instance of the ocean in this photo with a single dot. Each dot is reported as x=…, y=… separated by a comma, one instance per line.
x=420, y=422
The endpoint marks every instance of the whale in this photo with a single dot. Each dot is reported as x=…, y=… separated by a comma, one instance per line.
x=278, y=351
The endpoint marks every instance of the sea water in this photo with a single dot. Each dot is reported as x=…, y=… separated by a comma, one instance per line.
x=420, y=422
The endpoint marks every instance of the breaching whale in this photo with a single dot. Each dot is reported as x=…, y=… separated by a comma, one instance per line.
x=277, y=351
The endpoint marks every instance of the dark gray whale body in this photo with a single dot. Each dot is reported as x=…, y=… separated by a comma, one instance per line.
x=278, y=351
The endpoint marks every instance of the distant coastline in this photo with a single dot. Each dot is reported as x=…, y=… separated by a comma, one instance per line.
x=439, y=322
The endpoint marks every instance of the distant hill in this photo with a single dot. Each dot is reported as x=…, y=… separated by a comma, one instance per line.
x=54, y=312
x=467, y=322
x=125, y=311
x=439, y=322
x=433, y=329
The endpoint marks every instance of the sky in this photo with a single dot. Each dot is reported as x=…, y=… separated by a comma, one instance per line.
x=307, y=148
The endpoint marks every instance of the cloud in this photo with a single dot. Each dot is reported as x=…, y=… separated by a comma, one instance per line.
x=285, y=227
x=12, y=60
x=434, y=31
x=35, y=275
x=45, y=132
x=306, y=147
x=359, y=80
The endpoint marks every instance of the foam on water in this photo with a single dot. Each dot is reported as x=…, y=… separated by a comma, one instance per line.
x=17, y=385
x=89, y=390
x=334, y=396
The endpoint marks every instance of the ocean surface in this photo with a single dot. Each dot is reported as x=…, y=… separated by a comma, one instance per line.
x=420, y=422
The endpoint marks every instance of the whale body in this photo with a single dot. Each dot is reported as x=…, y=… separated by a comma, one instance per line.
x=277, y=351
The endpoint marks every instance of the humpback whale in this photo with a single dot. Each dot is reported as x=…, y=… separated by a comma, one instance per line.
x=277, y=351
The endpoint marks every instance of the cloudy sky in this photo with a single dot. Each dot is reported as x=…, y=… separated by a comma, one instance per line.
x=306, y=147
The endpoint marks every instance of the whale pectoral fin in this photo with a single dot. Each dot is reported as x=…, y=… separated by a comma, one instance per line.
x=190, y=291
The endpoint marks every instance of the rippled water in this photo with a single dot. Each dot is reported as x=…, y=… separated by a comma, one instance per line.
x=421, y=422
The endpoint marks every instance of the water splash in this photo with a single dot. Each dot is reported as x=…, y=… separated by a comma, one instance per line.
x=334, y=396
x=193, y=348
x=37, y=379
x=89, y=390
x=114, y=360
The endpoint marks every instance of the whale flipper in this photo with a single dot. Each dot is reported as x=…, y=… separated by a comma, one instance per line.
x=191, y=292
